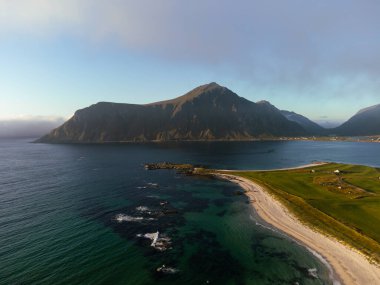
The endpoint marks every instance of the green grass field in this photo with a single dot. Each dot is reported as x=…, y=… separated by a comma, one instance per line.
x=344, y=205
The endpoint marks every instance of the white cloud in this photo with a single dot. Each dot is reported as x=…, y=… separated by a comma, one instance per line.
x=292, y=43
x=28, y=126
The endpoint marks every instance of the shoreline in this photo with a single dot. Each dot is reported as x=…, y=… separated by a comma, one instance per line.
x=317, y=163
x=348, y=265
x=360, y=139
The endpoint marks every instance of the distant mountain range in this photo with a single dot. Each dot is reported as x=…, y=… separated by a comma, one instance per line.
x=28, y=127
x=208, y=112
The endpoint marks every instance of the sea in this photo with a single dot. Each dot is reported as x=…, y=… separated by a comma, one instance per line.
x=91, y=214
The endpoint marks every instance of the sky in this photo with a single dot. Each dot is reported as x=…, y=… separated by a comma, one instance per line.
x=319, y=58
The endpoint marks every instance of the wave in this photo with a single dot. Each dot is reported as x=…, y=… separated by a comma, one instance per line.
x=265, y=226
x=126, y=218
x=332, y=274
x=148, y=185
x=313, y=272
x=143, y=209
x=159, y=242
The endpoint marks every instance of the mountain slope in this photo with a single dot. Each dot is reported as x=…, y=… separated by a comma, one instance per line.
x=366, y=122
x=310, y=126
x=208, y=112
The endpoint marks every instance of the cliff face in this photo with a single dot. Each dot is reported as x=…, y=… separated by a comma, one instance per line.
x=366, y=122
x=206, y=113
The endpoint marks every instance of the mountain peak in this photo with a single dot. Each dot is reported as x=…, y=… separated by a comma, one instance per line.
x=212, y=85
x=204, y=88
x=197, y=92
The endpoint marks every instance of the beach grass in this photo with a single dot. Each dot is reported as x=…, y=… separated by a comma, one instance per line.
x=345, y=205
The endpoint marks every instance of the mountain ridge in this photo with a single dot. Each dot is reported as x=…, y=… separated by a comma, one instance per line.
x=208, y=112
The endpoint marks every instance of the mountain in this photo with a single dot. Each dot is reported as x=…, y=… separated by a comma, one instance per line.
x=209, y=112
x=310, y=126
x=366, y=122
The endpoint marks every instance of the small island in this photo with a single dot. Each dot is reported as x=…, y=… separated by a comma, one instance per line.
x=168, y=165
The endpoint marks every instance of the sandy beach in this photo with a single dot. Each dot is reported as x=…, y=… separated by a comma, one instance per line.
x=348, y=266
x=279, y=169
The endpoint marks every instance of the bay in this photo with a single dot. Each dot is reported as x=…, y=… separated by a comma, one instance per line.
x=60, y=204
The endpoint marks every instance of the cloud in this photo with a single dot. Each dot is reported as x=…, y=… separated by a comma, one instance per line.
x=301, y=45
x=28, y=126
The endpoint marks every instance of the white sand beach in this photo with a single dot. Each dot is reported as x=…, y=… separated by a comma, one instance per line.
x=350, y=266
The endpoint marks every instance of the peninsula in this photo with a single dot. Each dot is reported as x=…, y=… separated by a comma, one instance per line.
x=332, y=209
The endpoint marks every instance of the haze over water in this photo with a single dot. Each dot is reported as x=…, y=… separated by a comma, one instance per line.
x=60, y=202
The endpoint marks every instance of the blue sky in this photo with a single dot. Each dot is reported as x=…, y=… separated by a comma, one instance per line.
x=317, y=58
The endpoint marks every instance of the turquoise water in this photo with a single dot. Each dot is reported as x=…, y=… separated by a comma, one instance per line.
x=59, y=205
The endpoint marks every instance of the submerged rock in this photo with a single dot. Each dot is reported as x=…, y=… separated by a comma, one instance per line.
x=159, y=241
x=167, y=270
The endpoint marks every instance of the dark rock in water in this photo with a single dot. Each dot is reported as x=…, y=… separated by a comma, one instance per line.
x=170, y=211
x=167, y=209
x=168, y=165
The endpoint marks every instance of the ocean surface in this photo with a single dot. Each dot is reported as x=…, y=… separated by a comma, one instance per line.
x=91, y=214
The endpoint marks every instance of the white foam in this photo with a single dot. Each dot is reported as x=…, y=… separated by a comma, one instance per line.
x=332, y=276
x=325, y=262
x=159, y=242
x=152, y=236
x=313, y=272
x=265, y=227
x=167, y=270
x=126, y=218
x=143, y=209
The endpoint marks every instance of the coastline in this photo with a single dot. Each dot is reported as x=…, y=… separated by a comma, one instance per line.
x=360, y=139
x=349, y=266
x=280, y=169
